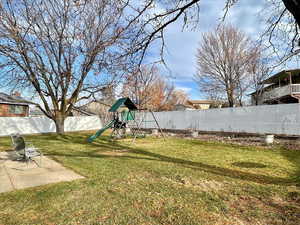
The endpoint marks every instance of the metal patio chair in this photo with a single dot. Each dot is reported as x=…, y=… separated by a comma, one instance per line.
x=25, y=150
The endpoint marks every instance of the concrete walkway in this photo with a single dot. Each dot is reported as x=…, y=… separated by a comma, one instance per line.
x=18, y=175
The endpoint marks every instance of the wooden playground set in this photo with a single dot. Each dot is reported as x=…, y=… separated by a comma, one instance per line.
x=125, y=114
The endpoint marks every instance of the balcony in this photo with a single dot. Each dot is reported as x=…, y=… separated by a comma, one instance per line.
x=276, y=93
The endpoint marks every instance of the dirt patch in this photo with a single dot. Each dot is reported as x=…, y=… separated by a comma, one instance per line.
x=133, y=178
x=288, y=143
x=292, y=145
x=204, y=185
x=264, y=211
x=115, y=152
x=294, y=196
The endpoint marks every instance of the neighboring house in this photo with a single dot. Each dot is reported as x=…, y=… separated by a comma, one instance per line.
x=34, y=111
x=90, y=109
x=203, y=104
x=77, y=111
x=13, y=105
x=183, y=107
x=93, y=108
x=281, y=88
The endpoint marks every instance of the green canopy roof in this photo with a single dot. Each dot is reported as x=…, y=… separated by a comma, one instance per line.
x=123, y=102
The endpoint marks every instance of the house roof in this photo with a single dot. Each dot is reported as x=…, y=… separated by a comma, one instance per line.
x=94, y=101
x=281, y=75
x=201, y=101
x=84, y=112
x=13, y=100
x=36, y=112
x=185, y=105
x=265, y=87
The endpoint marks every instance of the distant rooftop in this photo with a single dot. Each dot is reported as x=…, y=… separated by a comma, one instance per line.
x=12, y=99
x=83, y=111
x=201, y=101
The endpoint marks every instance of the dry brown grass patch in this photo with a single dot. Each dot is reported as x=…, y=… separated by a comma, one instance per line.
x=204, y=185
x=120, y=152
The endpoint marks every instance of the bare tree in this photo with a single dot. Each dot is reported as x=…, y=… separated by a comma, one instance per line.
x=178, y=96
x=259, y=71
x=281, y=36
x=55, y=46
x=148, y=88
x=160, y=93
x=68, y=51
x=282, y=17
x=279, y=12
x=223, y=60
x=139, y=84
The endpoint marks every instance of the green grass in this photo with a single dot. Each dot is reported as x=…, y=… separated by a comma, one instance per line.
x=177, y=181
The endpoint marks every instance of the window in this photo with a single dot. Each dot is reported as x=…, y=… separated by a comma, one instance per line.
x=17, y=109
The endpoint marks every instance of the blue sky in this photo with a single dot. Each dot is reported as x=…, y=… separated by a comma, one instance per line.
x=182, y=45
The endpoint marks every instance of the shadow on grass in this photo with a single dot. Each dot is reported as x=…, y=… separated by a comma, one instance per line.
x=104, y=144
x=249, y=165
x=294, y=157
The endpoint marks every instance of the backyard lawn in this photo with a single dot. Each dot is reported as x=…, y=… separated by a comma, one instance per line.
x=177, y=181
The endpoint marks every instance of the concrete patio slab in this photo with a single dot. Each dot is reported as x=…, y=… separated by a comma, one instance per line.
x=19, y=175
x=5, y=184
x=21, y=181
x=2, y=170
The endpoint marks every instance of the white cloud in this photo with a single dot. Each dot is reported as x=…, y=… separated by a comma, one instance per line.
x=185, y=89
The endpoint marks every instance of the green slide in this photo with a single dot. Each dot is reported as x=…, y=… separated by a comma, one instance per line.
x=99, y=132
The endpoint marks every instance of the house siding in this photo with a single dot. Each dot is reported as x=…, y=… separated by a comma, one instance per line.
x=201, y=105
x=4, y=111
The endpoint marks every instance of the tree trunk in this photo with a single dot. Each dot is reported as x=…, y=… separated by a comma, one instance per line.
x=230, y=102
x=241, y=103
x=256, y=98
x=60, y=124
x=293, y=6
x=230, y=98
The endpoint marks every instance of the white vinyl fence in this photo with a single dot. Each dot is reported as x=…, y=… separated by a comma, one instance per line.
x=275, y=119
x=35, y=125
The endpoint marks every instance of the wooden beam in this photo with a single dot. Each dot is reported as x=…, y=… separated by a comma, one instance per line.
x=290, y=76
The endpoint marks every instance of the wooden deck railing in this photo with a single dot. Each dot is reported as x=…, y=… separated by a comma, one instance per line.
x=295, y=88
x=281, y=91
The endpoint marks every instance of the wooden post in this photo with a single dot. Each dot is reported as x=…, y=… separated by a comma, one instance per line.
x=157, y=124
x=290, y=76
x=296, y=95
